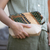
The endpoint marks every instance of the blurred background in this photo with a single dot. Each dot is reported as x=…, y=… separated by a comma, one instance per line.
x=4, y=33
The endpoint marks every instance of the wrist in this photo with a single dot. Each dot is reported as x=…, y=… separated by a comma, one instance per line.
x=13, y=25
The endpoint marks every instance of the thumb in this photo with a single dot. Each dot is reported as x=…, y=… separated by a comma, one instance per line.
x=26, y=25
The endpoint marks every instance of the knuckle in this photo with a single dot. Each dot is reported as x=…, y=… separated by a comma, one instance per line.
x=19, y=33
x=23, y=31
x=26, y=34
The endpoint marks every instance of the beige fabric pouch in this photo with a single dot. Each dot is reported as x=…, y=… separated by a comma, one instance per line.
x=30, y=18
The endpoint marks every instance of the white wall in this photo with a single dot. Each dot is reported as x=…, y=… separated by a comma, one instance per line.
x=6, y=11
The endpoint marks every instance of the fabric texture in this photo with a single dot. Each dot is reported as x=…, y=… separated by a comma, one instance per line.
x=28, y=18
x=31, y=18
x=35, y=42
x=22, y=6
x=31, y=43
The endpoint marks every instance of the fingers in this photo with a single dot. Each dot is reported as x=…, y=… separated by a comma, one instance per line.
x=17, y=37
x=25, y=33
x=22, y=35
x=26, y=25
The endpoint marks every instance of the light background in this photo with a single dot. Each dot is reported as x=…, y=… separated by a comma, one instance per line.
x=2, y=25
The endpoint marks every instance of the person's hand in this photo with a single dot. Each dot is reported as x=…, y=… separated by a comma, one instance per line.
x=19, y=31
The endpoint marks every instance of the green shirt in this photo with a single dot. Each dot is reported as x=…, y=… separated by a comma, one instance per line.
x=35, y=42
x=21, y=6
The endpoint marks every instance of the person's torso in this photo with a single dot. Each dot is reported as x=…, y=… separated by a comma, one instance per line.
x=22, y=6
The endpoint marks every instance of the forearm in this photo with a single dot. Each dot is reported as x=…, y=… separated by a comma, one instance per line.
x=49, y=14
x=5, y=19
x=49, y=9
